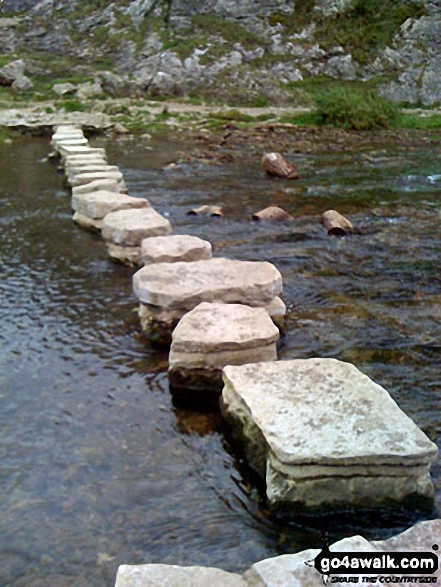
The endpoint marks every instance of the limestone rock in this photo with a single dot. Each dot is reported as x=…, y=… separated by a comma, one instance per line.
x=90, y=176
x=336, y=224
x=171, y=249
x=214, y=335
x=22, y=84
x=125, y=230
x=329, y=436
x=89, y=90
x=66, y=151
x=90, y=209
x=109, y=185
x=257, y=284
x=63, y=89
x=11, y=72
x=273, y=213
x=72, y=171
x=174, y=576
x=275, y=164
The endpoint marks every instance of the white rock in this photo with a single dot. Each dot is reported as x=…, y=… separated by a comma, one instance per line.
x=67, y=150
x=329, y=436
x=109, y=185
x=256, y=284
x=69, y=141
x=214, y=335
x=174, y=576
x=90, y=176
x=72, y=171
x=90, y=209
x=62, y=89
x=171, y=249
x=125, y=230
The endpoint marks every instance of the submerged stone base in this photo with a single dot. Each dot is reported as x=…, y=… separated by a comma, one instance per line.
x=323, y=435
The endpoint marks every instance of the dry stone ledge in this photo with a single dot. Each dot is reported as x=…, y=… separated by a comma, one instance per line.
x=282, y=571
x=175, y=248
x=324, y=435
x=174, y=576
x=109, y=185
x=214, y=335
x=125, y=230
x=167, y=291
x=90, y=209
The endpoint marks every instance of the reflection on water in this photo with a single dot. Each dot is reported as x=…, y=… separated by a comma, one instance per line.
x=98, y=468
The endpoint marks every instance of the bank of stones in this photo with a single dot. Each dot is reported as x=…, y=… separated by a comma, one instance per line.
x=214, y=335
x=167, y=291
x=323, y=435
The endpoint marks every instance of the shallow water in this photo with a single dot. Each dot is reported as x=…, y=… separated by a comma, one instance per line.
x=98, y=468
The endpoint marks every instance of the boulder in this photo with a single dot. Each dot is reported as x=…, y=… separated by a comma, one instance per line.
x=22, y=84
x=174, y=576
x=90, y=209
x=125, y=230
x=109, y=185
x=273, y=213
x=64, y=89
x=256, y=284
x=275, y=164
x=214, y=335
x=325, y=436
x=336, y=224
x=172, y=249
x=11, y=72
x=89, y=90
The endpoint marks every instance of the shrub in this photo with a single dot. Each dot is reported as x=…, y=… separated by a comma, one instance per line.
x=355, y=108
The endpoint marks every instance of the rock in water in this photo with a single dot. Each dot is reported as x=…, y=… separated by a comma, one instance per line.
x=174, y=576
x=336, y=224
x=324, y=435
x=125, y=230
x=167, y=291
x=275, y=164
x=273, y=213
x=214, y=335
x=175, y=248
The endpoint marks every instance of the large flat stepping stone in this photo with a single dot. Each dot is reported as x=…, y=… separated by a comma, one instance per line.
x=90, y=209
x=73, y=171
x=125, y=230
x=167, y=291
x=67, y=150
x=109, y=185
x=174, y=248
x=214, y=335
x=174, y=576
x=89, y=176
x=324, y=435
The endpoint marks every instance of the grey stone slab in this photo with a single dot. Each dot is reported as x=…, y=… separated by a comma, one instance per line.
x=174, y=248
x=129, y=228
x=90, y=176
x=109, y=185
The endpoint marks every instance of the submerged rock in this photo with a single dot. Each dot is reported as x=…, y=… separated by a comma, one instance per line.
x=324, y=435
x=125, y=230
x=256, y=284
x=90, y=209
x=214, y=335
x=175, y=248
x=273, y=213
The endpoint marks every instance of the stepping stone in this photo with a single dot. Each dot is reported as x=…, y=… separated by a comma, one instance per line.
x=325, y=436
x=69, y=141
x=167, y=291
x=66, y=150
x=86, y=159
x=174, y=576
x=125, y=230
x=214, y=335
x=109, y=185
x=72, y=171
x=171, y=249
x=90, y=209
x=90, y=176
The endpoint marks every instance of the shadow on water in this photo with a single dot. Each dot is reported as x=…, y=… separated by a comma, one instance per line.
x=98, y=466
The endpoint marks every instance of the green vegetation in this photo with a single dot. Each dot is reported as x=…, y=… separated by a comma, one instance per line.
x=414, y=122
x=355, y=109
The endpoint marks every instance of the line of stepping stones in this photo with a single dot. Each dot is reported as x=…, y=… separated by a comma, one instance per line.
x=320, y=432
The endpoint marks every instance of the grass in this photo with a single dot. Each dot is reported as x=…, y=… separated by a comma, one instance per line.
x=355, y=108
x=413, y=122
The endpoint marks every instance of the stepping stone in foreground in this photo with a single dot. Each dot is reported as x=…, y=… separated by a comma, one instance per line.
x=167, y=291
x=175, y=248
x=125, y=230
x=90, y=209
x=324, y=435
x=214, y=335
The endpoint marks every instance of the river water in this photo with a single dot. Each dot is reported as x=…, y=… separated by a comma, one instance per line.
x=98, y=468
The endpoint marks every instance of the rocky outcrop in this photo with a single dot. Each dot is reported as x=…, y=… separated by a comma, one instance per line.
x=328, y=438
